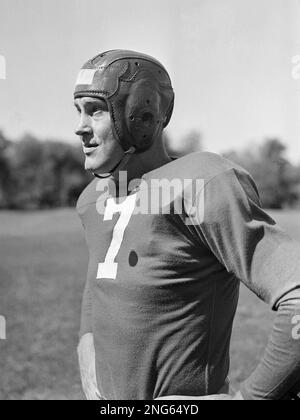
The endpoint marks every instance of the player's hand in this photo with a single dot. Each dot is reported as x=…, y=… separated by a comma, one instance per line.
x=87, y=365
x=238, y=397
x=205, y=398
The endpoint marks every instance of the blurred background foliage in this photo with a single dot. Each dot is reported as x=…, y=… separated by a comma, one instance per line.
x=278, y=180
x=41, y=174
x=37, y=174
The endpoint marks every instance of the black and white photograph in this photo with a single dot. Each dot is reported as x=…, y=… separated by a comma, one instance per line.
x=149, y=202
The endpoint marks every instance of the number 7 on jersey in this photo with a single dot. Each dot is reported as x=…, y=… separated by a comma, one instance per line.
x=109, y=268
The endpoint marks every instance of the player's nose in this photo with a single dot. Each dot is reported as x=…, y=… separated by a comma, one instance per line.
x=83, y=127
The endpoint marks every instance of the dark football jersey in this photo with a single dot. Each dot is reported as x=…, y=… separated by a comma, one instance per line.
x=164, y=274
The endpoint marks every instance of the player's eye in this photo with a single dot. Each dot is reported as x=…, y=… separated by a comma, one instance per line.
x=97, y=112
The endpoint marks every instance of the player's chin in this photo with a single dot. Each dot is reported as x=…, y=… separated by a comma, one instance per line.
x=91, y=164
x=95, y=165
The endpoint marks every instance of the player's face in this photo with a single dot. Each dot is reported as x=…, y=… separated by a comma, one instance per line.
x=102, y=151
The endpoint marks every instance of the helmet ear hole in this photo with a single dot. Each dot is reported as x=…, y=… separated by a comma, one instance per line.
x=148, y=119
x=142, y=128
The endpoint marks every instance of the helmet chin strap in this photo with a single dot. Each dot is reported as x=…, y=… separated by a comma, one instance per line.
x=121, y=165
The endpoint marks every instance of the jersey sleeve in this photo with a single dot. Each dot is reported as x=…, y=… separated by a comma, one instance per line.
x=87, y=300
x=86, y=311
x=245, y=239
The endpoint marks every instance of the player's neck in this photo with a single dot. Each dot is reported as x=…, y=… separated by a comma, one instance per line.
x=141, y=163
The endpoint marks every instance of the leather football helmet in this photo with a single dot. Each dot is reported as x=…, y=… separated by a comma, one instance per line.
x=137, y=90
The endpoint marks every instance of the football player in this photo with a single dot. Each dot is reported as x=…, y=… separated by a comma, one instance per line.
x=163, y=284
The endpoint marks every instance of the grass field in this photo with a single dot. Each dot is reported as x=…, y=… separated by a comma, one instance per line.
x=43, y=261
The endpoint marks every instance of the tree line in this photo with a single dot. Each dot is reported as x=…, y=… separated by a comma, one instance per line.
x=37, y=174
x=278, y=180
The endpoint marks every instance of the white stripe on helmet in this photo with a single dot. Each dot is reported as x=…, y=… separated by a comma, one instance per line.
x=85, y=77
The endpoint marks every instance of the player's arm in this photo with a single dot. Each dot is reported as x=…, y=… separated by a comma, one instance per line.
x=86, y=311
x=86, y=348
x=279, y=370
x=250, y=245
